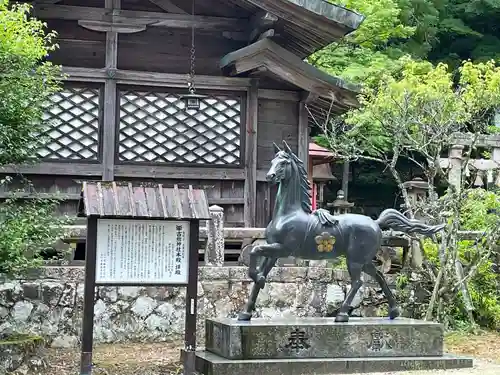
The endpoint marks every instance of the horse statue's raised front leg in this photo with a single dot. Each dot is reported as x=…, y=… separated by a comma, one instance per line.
x=270, y=252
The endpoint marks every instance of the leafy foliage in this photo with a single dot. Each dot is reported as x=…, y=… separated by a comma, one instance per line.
x=415, y=286
x=417, y=111
x=475, y=215
x=447, y=31
x=359, y=57
x=27, y=229
x=26, y=84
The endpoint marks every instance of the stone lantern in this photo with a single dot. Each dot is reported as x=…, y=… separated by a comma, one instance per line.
x=417, y=189
x=341, y=205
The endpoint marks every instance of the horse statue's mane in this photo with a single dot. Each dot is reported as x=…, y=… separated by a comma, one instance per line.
x=305, y=185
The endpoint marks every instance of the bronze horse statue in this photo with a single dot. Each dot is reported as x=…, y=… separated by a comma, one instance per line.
x=296, y=230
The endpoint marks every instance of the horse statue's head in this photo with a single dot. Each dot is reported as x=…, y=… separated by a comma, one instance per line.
x=289, y=171
x=281, y=165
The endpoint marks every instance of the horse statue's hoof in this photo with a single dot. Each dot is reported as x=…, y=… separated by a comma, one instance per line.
x=244, y=316
x=394, y=313
x=342, y=318
x=261, y=281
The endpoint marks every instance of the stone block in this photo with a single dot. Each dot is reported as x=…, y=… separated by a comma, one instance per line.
x=323, y=338
x=210, y=364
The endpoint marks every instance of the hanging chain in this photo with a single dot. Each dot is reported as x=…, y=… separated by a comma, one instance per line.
x=191, y=86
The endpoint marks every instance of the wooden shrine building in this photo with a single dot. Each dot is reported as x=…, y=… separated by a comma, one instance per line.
x=121, y=117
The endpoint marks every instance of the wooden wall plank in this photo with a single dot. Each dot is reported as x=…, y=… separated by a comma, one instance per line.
x=280, y=95
x=168, y=50
x=79, y=53
x=251, y=125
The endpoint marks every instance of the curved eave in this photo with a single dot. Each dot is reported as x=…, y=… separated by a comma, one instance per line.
x=330, y=93
x=309, y=25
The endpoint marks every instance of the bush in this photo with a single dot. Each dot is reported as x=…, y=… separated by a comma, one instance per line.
x=27, y=83
x=27, y=229
x=476, y=214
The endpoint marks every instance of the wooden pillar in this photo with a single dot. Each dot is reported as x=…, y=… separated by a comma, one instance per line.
x=303, y=138
x=110, y=100
x=250, y=189
x=303, y=146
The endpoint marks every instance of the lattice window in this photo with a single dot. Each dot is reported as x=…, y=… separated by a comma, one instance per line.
x=154, y=127
x=73, y=125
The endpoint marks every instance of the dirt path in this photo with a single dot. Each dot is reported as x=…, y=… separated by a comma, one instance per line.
x=156, y=359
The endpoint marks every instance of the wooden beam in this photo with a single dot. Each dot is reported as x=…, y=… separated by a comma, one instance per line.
x=110, y=100
x=168, y=6
x=140, y=18
x=103, y=26
x=309, y=97
x=261, y=23
x=250, y=188
x=77, y=197
x=82, y=170
x=73, y=168
x=178, y=172
x=303, y=136
x=133, y=77
x=267, y=34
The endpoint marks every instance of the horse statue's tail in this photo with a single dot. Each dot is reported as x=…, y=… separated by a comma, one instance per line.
x=395, y=220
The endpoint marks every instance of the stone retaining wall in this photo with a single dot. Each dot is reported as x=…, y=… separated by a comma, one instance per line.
x=51, y=304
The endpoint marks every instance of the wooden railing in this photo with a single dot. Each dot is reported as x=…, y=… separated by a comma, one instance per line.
x=215, y=238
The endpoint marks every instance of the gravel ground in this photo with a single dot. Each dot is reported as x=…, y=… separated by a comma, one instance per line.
x=162, y=359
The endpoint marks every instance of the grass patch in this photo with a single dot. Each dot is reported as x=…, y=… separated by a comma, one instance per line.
x=21, y=340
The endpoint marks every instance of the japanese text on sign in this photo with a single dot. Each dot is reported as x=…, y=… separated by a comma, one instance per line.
x=142, y=252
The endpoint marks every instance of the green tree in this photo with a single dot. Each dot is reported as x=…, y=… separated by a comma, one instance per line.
x=27, y=83
x=448, y=31
x=414, y=115
x=364, y=54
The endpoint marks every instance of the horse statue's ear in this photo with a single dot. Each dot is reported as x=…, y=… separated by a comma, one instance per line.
x=276, y=148
x=287, y=148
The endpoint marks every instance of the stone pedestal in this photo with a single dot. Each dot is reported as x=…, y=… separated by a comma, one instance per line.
x=320, y=346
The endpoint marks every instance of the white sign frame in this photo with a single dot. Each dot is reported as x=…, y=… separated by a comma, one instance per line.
x=142, y=252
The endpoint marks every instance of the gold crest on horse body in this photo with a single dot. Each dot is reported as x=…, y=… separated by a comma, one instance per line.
x=325, y=242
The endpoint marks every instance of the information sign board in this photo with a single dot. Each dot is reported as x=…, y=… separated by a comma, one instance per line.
x=142, y=252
